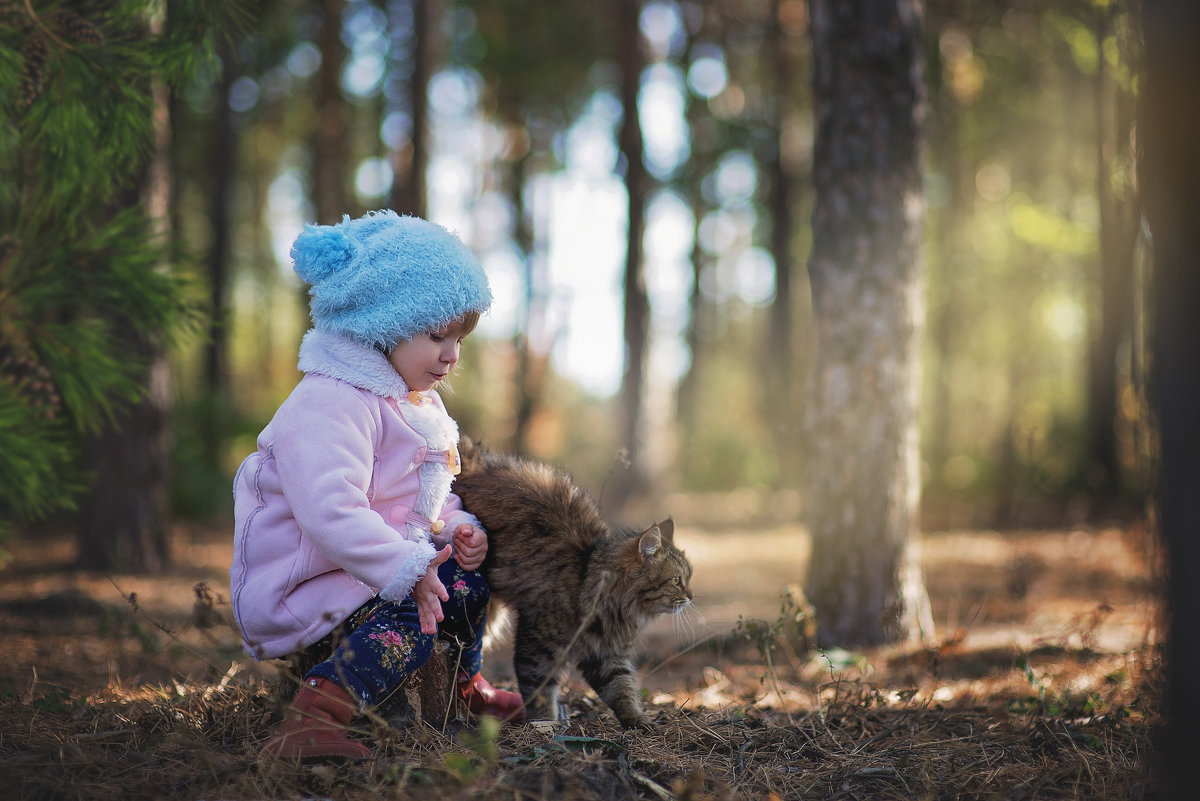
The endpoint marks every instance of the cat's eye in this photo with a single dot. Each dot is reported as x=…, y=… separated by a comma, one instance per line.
x=677, y=581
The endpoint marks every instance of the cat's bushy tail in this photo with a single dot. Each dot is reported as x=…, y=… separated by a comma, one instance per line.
x=469, y=453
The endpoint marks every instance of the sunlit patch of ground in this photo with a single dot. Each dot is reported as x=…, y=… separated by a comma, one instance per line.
x=1024, y=618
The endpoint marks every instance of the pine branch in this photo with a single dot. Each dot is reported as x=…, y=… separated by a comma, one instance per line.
x=38, y=22
x=80, y=275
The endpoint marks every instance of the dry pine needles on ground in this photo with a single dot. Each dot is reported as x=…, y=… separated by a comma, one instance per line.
x=108, y=695
x=201, y=741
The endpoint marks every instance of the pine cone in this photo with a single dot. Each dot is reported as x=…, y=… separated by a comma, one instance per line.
x=33, y=74
x=13, y=16
x=31, y=381
x=76, y=27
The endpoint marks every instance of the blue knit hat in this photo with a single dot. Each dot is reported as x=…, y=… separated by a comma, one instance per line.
x=383, y=278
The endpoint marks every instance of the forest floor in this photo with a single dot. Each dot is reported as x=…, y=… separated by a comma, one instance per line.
x=1042, y=683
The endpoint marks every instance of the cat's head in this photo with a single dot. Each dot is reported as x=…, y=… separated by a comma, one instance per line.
x=661, y=573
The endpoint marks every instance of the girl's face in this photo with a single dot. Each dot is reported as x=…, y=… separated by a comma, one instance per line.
x=429, y=357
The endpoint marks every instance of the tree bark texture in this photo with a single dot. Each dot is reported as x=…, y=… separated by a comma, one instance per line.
x=1169, y=132
x=124, y=522
x=868, y=304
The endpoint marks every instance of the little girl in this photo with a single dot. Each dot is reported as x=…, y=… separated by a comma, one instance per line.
x=345, y=524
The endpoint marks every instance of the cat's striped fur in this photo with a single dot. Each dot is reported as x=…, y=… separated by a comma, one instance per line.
x=581, y=591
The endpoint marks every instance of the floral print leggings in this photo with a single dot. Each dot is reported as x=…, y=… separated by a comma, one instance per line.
x=381, y=644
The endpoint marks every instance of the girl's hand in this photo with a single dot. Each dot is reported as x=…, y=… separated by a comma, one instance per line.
x=429, y=593
x=470, y=546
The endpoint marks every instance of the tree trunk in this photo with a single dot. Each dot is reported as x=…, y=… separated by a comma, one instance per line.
x=699, y=327
x=632, y=482
x=408, y=190
x=1168, y=132
x=1014, y=448
x=1118, y=235
x=124, y=521
x=868, y=304
x=953, y=255
x=701, y=316
x=530, y=374
x=779, y=382
x=223, y=160
x=329, y=136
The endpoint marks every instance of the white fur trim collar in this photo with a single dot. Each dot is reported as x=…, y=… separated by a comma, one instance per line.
x=342, y=358
x=362, y=366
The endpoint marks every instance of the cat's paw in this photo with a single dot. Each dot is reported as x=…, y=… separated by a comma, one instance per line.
x=636, y=722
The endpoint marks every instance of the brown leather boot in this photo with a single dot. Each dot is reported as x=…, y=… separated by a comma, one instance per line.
x=484, y=699
x=315, y=725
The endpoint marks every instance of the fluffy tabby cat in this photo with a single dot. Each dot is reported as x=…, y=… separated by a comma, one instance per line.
x=581, y=591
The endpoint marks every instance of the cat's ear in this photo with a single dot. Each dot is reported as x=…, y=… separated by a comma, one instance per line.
x=649, y=543
x=667, y=529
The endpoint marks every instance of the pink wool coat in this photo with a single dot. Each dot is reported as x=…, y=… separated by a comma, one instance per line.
x=336, y=504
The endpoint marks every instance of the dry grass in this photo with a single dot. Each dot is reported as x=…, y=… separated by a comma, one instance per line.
x=1043, y=685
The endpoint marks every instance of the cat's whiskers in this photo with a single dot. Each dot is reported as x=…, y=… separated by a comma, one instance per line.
x=686, y=618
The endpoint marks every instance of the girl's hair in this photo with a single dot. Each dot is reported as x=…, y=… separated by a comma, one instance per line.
x=469, y=321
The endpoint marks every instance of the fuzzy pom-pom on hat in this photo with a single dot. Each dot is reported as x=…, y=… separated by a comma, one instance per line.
x=382, y=277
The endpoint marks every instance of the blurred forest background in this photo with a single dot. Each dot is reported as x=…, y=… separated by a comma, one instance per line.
x=646, y=239
x=1032, y=408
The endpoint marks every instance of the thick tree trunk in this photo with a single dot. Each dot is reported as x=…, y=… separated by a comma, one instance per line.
x=868, y=302
x=1168, y=134
x=124, y=522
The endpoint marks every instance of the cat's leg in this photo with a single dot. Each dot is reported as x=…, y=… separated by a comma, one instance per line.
x=613, y=678
x=537, y=670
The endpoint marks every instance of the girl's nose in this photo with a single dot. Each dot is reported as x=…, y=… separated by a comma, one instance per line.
x=450, y=353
